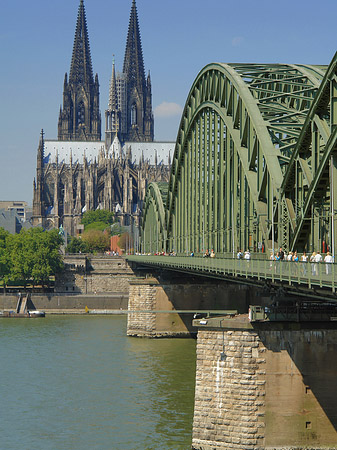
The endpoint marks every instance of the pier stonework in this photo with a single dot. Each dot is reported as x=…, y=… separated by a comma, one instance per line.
x=166, y=307
x=265, y=386
x=85, y=274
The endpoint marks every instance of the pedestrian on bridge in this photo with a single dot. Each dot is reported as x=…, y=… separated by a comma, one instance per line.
x=304, y=259
x=281, y=254
x=318, y=257
x=328, y=260
x=313, y=265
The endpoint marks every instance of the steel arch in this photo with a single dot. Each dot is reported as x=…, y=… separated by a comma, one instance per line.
x=242, y=116
x=309, y=193
x=254, y=160
x=153, y=237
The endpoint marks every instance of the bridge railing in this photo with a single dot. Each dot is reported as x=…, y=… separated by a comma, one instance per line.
x=304, y=273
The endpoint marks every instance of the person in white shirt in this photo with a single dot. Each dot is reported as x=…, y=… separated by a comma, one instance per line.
x=304, y=259
x=290, y=256
x=328, y=260
x=247, y=254
x=318, y=257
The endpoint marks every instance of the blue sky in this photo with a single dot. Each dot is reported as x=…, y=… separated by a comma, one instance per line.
x=178, y=37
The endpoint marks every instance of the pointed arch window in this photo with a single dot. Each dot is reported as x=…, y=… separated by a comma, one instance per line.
x=81, y=114
x=133, y=114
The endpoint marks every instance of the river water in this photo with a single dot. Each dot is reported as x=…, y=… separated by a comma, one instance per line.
x=79, y=383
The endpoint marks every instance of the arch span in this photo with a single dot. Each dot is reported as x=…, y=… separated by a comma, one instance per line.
x=251, y=167
x=153, y=219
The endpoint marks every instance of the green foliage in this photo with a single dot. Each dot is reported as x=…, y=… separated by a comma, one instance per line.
x=101, y=226
x=5, y=260
x=116, y=228
x=77, y=245
x=102, y=216
x=96, y=240
x=34, y=254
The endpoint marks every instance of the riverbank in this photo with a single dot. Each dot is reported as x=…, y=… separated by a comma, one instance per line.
x=109, y=303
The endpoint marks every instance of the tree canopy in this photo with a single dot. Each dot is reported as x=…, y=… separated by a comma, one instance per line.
x=96, y=240
x=102, y=219
x=30, y=255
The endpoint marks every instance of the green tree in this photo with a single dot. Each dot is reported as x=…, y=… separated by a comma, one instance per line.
x=102, y=217
x=48, y=259
x=77, y=245
x=116, y=228
x=5, y=260
x=96, y=240
x=101, y=226
x=35, y=254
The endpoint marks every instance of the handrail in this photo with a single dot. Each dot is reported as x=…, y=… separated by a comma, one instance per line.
x=307, y=274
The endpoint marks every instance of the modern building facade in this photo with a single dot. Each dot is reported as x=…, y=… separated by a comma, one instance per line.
x=80, y=172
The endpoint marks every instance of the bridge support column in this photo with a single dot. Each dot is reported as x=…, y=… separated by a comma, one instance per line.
x=164, y=307
x=265, y=385
x=152, y=314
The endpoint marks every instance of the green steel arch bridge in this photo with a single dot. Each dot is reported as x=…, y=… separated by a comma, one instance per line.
x=255, y=167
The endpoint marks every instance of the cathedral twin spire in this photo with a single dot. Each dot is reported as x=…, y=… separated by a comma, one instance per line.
x=130, y=93
x=81, y=67
x=129, y=110
x=133, y=60
x=80, y=117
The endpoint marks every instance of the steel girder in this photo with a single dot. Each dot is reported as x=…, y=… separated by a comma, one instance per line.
x=153, y=235
x=251, y=158
x=310, y=183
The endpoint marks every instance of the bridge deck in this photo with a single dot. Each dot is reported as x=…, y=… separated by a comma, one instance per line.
x=310, y=275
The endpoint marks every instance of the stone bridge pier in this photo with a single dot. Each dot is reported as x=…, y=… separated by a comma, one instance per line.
x=265, y=385
x=163, y=305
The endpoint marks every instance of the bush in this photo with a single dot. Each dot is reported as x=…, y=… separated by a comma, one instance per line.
x=99, y=216
x=77, y=245
x=96, y=240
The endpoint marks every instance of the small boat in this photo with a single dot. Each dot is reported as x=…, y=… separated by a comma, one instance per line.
x=36, y=313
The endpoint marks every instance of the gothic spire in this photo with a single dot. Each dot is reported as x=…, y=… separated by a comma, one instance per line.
x=81, y=67
x=113, y=99
x=80, y=117
x=133, y=60
x=40, y=150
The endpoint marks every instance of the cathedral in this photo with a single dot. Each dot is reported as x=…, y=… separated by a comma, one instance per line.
x=79, y=171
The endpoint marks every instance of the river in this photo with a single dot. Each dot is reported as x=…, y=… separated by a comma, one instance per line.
x=79, y=383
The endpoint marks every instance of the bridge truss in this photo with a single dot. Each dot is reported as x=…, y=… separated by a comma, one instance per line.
x=255, y=163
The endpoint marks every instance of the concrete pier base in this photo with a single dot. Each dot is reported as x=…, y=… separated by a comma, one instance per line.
x=265, y=385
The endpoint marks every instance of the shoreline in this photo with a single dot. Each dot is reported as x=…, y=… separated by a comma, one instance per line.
x=50, y=303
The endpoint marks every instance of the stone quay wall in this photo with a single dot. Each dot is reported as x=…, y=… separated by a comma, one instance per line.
x=85, y=274
x=266, y=389
x=69, y=304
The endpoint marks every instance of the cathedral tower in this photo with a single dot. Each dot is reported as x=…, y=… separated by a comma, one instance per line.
x=113, y=113
x=139, y=116
x=80, y=118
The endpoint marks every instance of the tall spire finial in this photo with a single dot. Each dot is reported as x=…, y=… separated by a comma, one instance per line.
x=80, y=117
x=41, y=141
x=81, y=67
x=133, y=60
x=113, y=99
